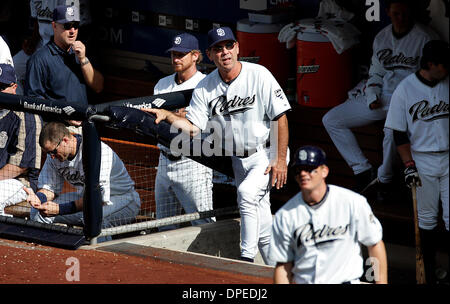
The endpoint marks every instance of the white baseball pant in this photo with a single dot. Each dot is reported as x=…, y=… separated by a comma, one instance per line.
x=11, y=193
x=433, y=172
x=182, y=182
x=253, y=198
x=355, y=113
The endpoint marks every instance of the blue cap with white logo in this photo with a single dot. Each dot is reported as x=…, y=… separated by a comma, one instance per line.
x=65, y=14
x=184, y=43
x=220, y=34
x=309, y=156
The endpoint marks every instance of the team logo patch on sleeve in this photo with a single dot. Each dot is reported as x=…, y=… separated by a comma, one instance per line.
x=278, y=93
x=3, y=139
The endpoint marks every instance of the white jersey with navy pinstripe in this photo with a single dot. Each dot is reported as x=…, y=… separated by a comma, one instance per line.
x=168, y=85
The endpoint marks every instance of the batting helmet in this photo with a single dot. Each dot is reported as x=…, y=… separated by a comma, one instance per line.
x=309, y=156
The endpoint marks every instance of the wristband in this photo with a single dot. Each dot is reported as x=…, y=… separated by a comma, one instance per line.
x=67, y=208
x=410, y=163
x=42, y=197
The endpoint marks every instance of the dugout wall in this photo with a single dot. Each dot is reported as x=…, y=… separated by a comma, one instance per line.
x=120, y=119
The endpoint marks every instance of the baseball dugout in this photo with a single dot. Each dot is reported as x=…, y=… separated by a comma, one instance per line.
x=133, y=136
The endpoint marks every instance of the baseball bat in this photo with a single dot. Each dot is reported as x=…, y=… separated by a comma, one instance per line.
x=59, y=109
x=420, y=266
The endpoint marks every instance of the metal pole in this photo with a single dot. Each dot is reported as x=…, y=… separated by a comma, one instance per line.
x=167, y=221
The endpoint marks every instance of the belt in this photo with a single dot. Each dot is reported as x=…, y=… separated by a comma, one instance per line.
x=250, y=152
x=170, y=156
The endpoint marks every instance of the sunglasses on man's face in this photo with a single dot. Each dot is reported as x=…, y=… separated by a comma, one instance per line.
x=55, y=151
x=308, y=169
x=229, y=46
x=69, y=25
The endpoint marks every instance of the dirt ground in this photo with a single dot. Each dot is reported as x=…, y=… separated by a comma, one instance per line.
x=29, y=263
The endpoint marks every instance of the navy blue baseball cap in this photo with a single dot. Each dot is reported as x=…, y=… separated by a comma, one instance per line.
x=309, y=157
x=436, y=51
x=220, y=34
x=64, y=14
x=184, y=43
x=7, y=74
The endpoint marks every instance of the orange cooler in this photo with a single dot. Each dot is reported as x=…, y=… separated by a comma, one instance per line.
x=258, y=42
x=323, y=76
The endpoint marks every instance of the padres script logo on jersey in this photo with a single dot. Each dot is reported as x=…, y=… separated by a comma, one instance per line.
x=43, y=12
x=74, y=178
x=222, y=106
x=422, y=111
x=306, y=234
x=397, y=61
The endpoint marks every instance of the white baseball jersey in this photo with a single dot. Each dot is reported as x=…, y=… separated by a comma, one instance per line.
x=168, y=85
x=393, y=59
x=42, y=10
x=113, y=180
x=243, y=108
x=422, y=112
x=323, y=241
x=5, y=53
x=181, y=182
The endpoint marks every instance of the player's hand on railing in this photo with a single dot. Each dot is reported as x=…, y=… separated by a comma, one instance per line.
x=411, y=175
x=160, y=114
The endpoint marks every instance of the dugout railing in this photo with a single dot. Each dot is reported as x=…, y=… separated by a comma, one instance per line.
x=140, y=158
